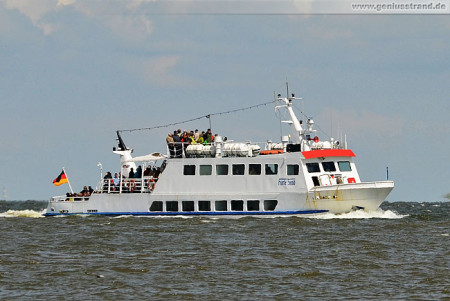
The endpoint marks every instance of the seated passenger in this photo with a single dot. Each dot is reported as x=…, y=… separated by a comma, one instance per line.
x=84, y=192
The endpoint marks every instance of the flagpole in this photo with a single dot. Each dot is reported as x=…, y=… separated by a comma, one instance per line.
x=68, y=182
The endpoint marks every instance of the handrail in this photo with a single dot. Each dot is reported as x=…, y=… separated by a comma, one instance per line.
x=129, y=185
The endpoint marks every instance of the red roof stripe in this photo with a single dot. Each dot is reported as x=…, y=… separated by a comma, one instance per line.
x=328, y=153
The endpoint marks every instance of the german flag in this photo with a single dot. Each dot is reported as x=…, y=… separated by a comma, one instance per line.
x=61, y=179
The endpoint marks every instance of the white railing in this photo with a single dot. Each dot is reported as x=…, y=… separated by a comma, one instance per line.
x=145, y=184
x=67, y=198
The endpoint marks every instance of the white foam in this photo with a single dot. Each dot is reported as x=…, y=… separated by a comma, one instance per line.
x=23, y=213
x=360, y=214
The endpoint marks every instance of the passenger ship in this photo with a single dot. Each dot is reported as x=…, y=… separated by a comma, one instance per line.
x=301, y=175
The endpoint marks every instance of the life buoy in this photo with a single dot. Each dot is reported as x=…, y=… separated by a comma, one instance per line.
x=132, y=185
x=151, y=184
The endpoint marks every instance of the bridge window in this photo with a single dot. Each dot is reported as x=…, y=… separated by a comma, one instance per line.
x=315, y=181
x=205, y=170
x=238, y=169
x=271, y=169
x=254, y=169
x=189, y=170
x=344, y=166
x=292, y=170
x=313, y=167
x=221, y=170
x=328, y=166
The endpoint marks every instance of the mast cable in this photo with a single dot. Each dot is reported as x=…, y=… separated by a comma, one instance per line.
x=197, y=118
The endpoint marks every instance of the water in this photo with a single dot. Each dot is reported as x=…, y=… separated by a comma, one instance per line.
x=400, y=252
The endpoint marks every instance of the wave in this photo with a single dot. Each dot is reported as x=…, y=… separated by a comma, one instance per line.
x=361, y=214
x=23, y=213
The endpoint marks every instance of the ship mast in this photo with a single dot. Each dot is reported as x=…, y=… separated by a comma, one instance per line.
x=299, y=134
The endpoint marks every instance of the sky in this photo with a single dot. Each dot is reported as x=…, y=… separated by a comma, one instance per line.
x=73, y=72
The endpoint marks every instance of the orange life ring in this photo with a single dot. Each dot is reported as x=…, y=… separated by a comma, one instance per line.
x=151, y=184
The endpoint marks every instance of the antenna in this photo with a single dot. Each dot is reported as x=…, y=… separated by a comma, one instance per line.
x=287, y=88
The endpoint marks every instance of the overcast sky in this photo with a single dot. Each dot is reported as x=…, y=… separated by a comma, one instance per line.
x=74, y=72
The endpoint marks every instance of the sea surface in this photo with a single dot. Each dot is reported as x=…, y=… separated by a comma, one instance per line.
x=401, y=252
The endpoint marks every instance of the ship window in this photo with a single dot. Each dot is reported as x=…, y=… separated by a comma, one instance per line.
x=221, y=170
x=344, y=166
x=254, y=169
x=172, y=206
x=315, y=181
x=205, y=170
x=252, y=205
x=238, y=169
x=328, y=166
x=269, y=205
x=292, y=170
x=189, y=170
x=156, y=206
x=204, y=206
x=313, y=167
x=237, y=205
x=187, y=205
x=221, y=205
x=271, y=169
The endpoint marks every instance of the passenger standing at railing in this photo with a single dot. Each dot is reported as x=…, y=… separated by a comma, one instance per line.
x=170, y=144
x=209, y=137
x=201, y=138
x=147, y=171
x=107, y=180
x=138, y=173
x=196, y=135
x=131, y=174
x=185, y=140
x=116, y=181
x=192, y=138
x=178, y=147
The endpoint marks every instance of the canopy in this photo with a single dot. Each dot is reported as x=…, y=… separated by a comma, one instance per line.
x=147, y=158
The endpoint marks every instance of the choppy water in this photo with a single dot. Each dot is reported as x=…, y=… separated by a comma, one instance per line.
x=400, y=252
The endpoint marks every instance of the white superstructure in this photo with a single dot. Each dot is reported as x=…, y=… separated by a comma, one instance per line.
x=300, y=176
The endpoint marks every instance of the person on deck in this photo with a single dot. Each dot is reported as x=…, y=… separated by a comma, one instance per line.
x=138, y=173
x=116, y=181
x=131, y=174
x=178, y=147
x=170, y=144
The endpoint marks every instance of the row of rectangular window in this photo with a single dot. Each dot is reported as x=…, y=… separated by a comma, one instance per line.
x=205, y=206
x=328, y=166
x=239, y=169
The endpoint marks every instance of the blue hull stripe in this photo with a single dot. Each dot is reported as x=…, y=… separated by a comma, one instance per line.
x=192, y=213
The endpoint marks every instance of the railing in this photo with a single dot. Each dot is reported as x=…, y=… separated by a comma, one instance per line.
x=64, y=198
x=135, y=185
x=178, y=149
